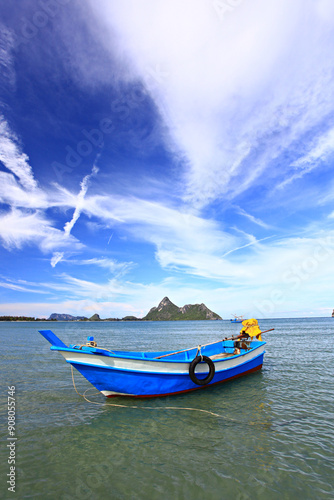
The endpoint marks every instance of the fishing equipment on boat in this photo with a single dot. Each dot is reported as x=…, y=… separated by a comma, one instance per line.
x=251, y=327
x=91, y=342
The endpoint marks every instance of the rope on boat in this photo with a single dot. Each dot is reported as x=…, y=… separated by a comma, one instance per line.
x=91, y=344
x=137, y=407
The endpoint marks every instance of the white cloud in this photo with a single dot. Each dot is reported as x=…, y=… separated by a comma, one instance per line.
x=283, y=275
x=321, y=151
x=182, y=240
x=323, y=148
x=253, y=241
x=117, y=268
x=26, y=222
x=196, y=246
x=14, y=194
x=13, y=158
x=253, y=219
x=56, y=257
x=19, y=227
x=286, y=275
x=80, y=201
x=160, y=224
x=20, y=288
x=235, y=93
x=85, y=307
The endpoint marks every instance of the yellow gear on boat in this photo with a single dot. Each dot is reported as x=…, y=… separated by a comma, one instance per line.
x=251, y=327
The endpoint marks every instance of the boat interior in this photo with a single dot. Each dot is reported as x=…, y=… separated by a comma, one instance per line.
x=219, y=350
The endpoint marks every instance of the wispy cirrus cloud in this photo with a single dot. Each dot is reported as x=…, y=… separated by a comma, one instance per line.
x=20, y=227
x=14, y=194
x=323, y=148
x=26, y=223
x=117, y=269
x=300, y=263
x=321, y=151
x=172, y=231
x=20, y=288
x=231, y=108
x=113, y=266
x=13, y=159
x=253, y=219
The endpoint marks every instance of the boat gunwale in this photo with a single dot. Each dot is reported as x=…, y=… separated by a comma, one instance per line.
x=161, y=360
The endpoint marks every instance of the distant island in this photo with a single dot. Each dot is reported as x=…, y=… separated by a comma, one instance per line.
x=165, y=311
x=66, y=317
x=22, y=318
x=95, y=317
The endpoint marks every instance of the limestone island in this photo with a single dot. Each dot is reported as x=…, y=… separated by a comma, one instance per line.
x=165, y=311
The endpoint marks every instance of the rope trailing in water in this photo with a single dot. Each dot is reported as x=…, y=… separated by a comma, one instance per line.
x=138, y=407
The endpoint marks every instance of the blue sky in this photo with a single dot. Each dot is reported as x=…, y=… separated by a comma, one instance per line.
x=181, y=148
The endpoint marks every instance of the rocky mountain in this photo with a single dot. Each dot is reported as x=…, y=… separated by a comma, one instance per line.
x=65, y=317
x=95, y=317
x=167, y=311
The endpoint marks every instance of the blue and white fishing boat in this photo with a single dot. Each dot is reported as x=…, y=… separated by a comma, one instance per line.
x=237, y=319
x=150, y=374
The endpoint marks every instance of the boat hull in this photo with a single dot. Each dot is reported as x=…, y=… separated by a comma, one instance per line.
x=146, y=379
x=174, y=390
x=124, y=373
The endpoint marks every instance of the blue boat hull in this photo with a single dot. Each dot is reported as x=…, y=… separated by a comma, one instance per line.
x=119, y=382
x=149, y=374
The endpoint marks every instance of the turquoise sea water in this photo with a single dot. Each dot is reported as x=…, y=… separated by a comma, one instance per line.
x=272, y=440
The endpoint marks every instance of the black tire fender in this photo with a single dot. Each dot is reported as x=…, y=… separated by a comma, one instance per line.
x=194, y=363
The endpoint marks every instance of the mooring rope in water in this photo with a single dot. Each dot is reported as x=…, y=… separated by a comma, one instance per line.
x=134, y=406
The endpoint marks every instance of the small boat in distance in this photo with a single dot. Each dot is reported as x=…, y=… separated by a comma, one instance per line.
x=237, y=319
x=150, y=374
